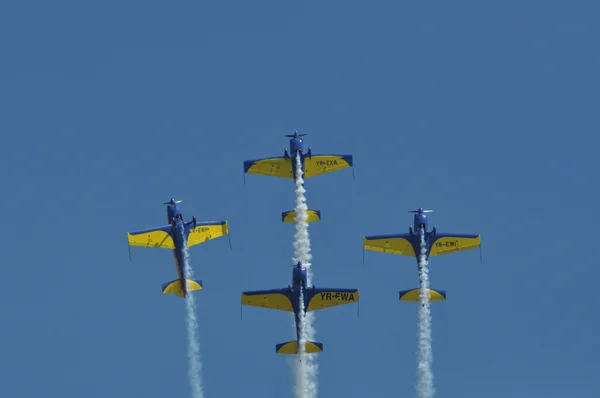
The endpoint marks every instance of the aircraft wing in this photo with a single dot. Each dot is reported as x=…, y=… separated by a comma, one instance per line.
x=395, y=244
x=274, y=167
x=206, y=230
x=274, y=299
x=152, y=237
x=326, y=298
x=449, y=243
x=321, y=164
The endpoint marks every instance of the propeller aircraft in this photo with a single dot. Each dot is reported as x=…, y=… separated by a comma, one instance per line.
x=299, y=299
x=177, y=235
x=410, y=245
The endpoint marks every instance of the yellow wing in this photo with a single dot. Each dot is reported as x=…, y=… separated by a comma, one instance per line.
x=395, y=244
x=327, y=298
x=152, y=237
x=207, y=231
x=449, y=243
x=275, y=299
x=321, y=164
x=274, y=167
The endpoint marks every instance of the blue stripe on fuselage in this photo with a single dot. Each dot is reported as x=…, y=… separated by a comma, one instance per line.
x=176, y=228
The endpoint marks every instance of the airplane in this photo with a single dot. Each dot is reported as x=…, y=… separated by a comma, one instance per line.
x=173, y=236
x=286, y=166
x=410, y=244
x=288, y=299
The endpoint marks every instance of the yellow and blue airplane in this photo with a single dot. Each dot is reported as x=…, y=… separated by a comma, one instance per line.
x=288, y=299
x=410, y=245
x=285, y=167
x=175, y=235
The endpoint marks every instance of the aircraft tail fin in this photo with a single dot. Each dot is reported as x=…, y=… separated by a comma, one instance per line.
x=290, y=216
x=174, y=287
x=414, y=295
x=291, y=347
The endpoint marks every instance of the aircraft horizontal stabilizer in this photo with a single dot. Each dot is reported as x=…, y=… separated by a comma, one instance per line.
x=414, y=295
x=174, y=287
x=290, y=216
x=291, y=347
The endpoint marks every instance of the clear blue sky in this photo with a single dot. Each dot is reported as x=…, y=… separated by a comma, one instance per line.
x=486, y=113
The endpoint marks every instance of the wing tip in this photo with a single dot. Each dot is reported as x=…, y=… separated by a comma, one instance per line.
x=348, y=159
x=248, y=164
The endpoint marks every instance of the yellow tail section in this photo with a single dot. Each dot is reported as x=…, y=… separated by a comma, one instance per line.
x=290, y=216
x=174, y=287
x=414, y=295
x=291, y=347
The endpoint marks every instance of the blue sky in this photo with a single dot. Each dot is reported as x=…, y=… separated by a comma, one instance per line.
x=486, y=113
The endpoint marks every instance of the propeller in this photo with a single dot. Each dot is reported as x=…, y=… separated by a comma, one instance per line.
x=295, y=135
x=172, y=202
x=420, y=210
x=303, y=265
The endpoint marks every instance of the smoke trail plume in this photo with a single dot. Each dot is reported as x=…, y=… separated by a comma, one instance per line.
x=425, y=356
x=301, y=375
x=194, y=365
x=305, y=368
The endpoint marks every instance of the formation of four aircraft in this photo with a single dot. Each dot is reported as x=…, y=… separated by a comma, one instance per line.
x=178, y=234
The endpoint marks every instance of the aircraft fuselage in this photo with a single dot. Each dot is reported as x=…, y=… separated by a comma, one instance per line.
x=299, y=289
x=177, y=232
x=297, y=148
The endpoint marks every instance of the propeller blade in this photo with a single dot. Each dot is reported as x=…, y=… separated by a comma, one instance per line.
x=292, y=135
x=303, y=265
x=171, y=202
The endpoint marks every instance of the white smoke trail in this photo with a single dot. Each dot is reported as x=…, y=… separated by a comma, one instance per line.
x=300, y=370
x=425, y=356
x=305, y=369
x=194, y=365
